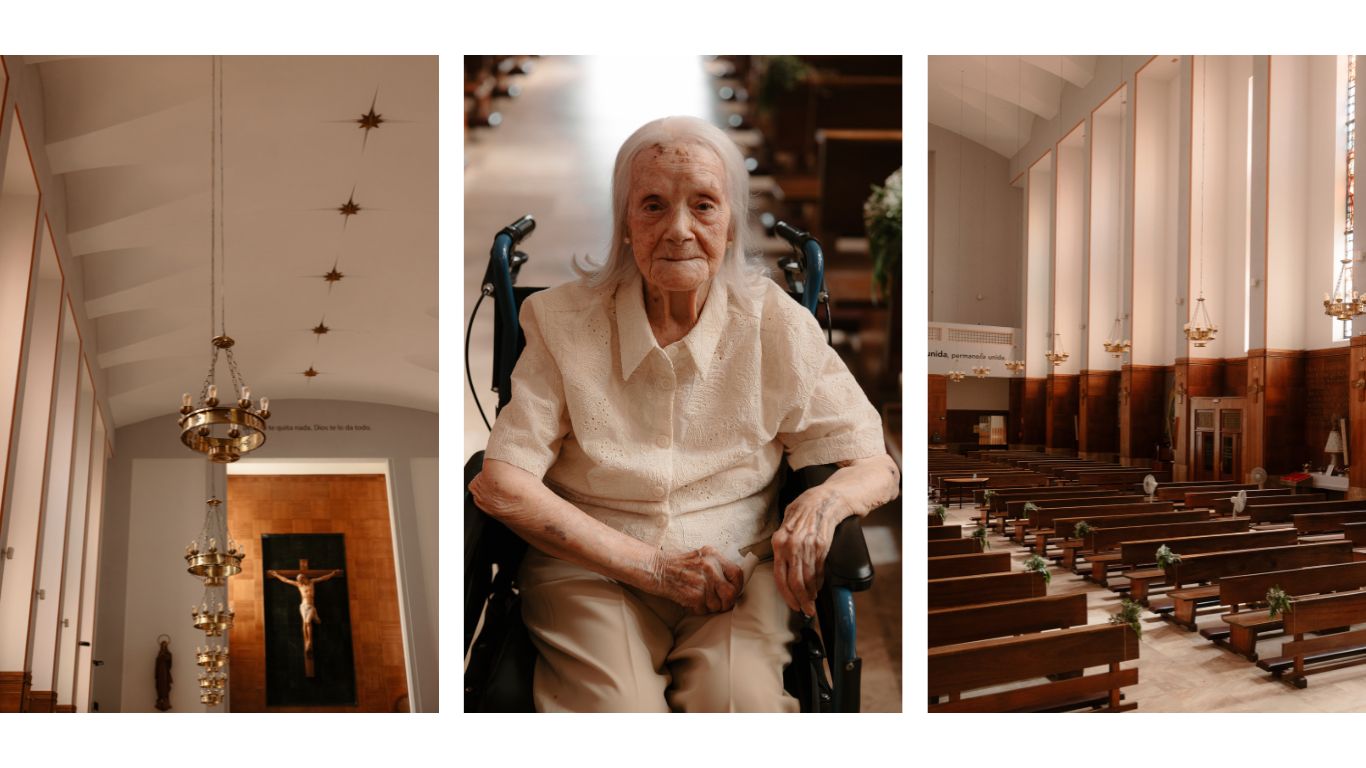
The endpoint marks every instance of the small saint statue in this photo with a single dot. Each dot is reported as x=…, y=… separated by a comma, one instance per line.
x=305, y=580
x=163, y=675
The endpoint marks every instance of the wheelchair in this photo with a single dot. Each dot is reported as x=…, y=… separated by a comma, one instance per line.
x=825, y=670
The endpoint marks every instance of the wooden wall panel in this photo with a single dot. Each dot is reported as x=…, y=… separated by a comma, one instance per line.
x=1326, y=386
x=1193, y=377
x=1285, y=451
x=353, y=505
x=13, y=691
x=1098, y=413
x=939, y=406
x=1356, y=406
x=41, y=701
x=1062, y=414
x=961, y=423
x=1235, y=377
x=1143, y=411
x=1030, y=412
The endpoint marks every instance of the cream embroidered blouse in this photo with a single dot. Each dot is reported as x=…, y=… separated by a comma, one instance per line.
x=679, y=447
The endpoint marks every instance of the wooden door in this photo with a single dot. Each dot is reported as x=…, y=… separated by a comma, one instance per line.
x=1217, y=438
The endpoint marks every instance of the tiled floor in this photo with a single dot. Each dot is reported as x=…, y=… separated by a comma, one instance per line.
x=552, y=157
x=1180, y=671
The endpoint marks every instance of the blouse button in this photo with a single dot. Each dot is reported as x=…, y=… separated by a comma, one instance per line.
x=659, y=491
x=662, y=441
x=664, y=383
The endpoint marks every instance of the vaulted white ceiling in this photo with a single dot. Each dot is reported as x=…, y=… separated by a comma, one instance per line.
x=994, y=100
x=130, y=137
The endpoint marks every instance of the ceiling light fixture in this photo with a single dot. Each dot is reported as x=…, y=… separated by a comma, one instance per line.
x=1201, y=330
x=222, y=432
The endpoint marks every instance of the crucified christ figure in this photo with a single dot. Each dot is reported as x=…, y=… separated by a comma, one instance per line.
x=308, y=612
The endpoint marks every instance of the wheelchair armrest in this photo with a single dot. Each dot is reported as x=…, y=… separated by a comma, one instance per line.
x=847, y=565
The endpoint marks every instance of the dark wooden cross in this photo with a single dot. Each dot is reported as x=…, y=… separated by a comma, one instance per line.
x=306, y=592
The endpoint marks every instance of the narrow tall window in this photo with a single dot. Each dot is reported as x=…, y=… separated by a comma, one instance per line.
x=1349, y=225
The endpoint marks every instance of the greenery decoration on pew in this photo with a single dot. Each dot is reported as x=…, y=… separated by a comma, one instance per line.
x=1166, y=557
x=1030, y=508
x=943, y=512
x=986, y=496
x=1037, y=563
x=1129, y=613
x=1081, y=529
x=981, y=535
x=1278, y=601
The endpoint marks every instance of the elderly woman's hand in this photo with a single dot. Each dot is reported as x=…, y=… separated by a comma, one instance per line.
x=802, y=542
x=702, y=580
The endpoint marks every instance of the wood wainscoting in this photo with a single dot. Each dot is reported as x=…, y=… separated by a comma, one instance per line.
x=939, y=407
x=42, y=701
x=1142, y=411
x=1027, y=411
x=1062, y=415
x=14, y=691
x=1098, y=413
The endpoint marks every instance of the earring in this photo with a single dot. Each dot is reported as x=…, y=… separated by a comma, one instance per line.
x=626, y=240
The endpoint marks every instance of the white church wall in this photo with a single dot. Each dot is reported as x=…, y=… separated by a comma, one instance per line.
x=1037, y=288
x=1069, y=274
x=138, y=569
x=1288, y=188
x=1155, y=198
x=1107, y=192
x=975, y=233
x=1324, y=159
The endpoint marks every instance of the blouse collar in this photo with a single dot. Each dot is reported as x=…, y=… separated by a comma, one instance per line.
x=637, y=339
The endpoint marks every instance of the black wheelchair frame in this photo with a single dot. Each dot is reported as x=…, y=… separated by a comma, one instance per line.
x=500, y=657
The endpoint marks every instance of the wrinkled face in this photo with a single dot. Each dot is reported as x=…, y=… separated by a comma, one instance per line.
x=678, y=216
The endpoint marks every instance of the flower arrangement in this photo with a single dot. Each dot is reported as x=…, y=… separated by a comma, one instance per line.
x=1129, y=613
x=943, y=513
x=882, y=220
x=981, y=535
x=1037, y=563
x=1278, y=601
x=1166, y=557
x=1081, y=529
x=781, y=74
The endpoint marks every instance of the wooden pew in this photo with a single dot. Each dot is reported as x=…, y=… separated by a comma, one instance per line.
x=949, y=566
x=1222, y=502
x=1000, y=498
x=1211, y=567
x=1013, y=617
x=942, y=532
x=1139, y=553
x=985, y=588
x=1251, y=589
x=1328, y=522
x=1178, y=493
x=1316, y=614
x=958, y=669
x=1225, y=506
x=1040, y=523
x=1016, y=509
x=968, y=546
x=1263, y=513
x=1101, y=545
x=1116, y=478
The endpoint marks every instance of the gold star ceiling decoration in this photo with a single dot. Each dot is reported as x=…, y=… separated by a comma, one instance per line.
x=321, y=328
x=349, y=208
x=310, y=373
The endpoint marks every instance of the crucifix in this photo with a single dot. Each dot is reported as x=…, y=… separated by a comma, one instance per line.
x=305, y=580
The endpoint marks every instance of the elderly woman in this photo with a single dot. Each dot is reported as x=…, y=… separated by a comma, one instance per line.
x=639, y=455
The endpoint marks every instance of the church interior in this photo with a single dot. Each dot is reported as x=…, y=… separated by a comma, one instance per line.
x=262, y=537
x=818, y=133
x=1145, y=369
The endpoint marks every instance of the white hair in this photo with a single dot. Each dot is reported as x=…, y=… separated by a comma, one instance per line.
x=743, y=272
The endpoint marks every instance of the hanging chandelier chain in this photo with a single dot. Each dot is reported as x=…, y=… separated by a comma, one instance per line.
x=237, y=383
x=1204, y=171
x=223, y=217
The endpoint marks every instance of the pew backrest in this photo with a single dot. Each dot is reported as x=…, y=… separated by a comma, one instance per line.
x=1144, y=551
x=985, y=588
x=1284, y=512
x=1314, y=579
x=1214, y=566
x=982, y=663
x=1015, y=617
x=949, y=566
x=1106, y=537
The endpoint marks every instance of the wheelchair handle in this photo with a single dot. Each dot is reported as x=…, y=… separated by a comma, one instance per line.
x=504, y=263
x=519, y=229
x=812, y=259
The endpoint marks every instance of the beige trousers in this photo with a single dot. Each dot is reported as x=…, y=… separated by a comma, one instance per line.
x=605, y=647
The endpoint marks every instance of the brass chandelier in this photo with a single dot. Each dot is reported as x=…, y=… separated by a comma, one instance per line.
x=981, y=371
x=1057, y=355
x=223, y=430
x=1201, y=330
x=1345, y=302
x=956, y=376
x=1014, y=366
